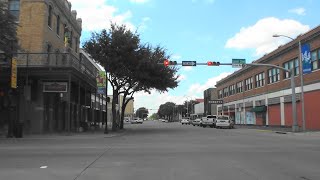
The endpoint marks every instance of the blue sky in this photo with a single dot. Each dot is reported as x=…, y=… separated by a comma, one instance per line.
x=202, y=30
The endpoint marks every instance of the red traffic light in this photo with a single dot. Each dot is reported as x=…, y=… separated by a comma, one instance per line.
x=212, y=63
x=166, y=62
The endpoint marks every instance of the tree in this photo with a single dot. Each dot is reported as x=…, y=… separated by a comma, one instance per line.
x=131, y=66
x=154, y=116
x=166, y=110
x=8, y=32
x=142, y=112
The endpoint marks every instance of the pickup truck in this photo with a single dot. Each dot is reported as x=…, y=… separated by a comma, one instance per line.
x=208, y=121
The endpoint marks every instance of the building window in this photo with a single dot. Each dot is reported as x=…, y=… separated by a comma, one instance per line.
x=225, y=92
x=260, y=80
x=14, y=8
x=240, y=87
x=289, y=65
x=248, y=83
x=232, y=89
x=58, y=25
x=274, y=75
x=220, y=94
x=50, y=16
x=314, y=60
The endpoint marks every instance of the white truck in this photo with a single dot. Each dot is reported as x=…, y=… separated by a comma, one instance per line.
x=209, y=120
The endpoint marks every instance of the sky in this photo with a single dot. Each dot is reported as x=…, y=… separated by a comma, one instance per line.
x=201, y=30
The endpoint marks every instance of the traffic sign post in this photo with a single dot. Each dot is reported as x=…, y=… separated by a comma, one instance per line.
x=189, y=63
x=238, y=63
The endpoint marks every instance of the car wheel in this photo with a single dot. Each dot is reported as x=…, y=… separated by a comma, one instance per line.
x=211, y=126
x=203, y=126
x=194, y=125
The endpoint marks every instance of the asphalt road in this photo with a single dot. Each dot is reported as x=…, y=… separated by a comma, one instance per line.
x=163, y=151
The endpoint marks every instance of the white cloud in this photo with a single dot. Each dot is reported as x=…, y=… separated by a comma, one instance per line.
x=182, y=77
x=300, y=11
x=97, y=15
x=143, y=26
x=198, y=89
x=259, y=36
x=139, y=1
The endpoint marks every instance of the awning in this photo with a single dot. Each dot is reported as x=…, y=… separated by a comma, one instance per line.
x=259, y=109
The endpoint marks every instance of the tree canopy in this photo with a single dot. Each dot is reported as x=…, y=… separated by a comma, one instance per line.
x=131, y=65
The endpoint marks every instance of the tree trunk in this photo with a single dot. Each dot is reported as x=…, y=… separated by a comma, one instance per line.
x=114, y=111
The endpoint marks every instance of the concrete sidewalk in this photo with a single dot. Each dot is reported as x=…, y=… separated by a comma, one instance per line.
x=72, y=135
x=279, y=130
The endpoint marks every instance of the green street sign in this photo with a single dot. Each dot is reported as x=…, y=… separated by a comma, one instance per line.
x=238, y=63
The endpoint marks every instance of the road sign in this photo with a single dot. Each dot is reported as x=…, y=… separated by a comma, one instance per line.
x=189, y=63
x=215, y=102
x=14, y=73
x=238, y=63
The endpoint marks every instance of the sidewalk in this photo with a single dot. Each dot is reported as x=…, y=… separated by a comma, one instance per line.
x=72, y=135
x=279, y=130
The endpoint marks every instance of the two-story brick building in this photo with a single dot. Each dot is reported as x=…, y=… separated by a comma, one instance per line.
x=55, y=81
x=262, y=95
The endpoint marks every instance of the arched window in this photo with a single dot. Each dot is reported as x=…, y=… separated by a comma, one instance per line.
x=50, y=16
x=58, y=25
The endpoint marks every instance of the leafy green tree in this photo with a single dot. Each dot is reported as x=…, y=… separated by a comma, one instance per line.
x=131, y=66
x=8, y=32
x=166, y=110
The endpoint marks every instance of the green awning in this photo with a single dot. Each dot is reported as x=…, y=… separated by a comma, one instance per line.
x=259, y=109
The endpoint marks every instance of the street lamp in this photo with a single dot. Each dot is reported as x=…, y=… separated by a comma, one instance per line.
x=301, y=79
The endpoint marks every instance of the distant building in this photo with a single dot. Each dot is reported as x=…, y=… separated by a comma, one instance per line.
x=199, y=108
x=210, y=94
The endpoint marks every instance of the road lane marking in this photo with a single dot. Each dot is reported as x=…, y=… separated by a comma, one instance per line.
x=43, y=167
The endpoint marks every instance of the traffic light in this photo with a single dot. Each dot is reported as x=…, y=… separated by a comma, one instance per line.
x=213, y=63
x=166, y=62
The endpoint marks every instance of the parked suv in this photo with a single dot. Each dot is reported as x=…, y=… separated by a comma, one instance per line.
x=208, y=121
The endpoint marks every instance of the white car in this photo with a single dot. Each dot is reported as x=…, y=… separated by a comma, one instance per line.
x=185, y=121
x=224, y=122
x=196, y=122
x=136, y=121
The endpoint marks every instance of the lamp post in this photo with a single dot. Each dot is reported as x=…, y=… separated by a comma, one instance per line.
x=301, y=79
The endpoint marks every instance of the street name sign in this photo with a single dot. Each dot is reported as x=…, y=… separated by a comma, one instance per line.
x=215, y=101
x=238, y=63
x=189, y=63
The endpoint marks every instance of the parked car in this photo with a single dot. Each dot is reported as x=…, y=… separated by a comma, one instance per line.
x=136, y=121
x=196, y=122
x=224, y=122
x=209, y=120
x=185, y=121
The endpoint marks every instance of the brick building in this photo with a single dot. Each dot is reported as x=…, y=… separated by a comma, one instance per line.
x=262, y=95
x=55, y=80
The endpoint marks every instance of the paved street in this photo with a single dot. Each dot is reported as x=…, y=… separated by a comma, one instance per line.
x=163, y=151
